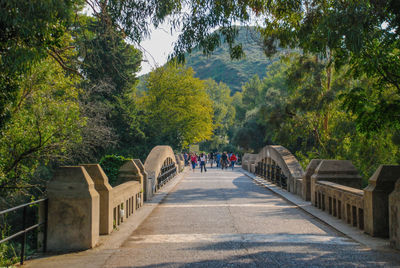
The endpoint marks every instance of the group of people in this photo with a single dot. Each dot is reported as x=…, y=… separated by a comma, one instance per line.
x=222, y=160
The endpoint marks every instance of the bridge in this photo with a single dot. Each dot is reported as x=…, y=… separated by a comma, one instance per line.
x=267, y=213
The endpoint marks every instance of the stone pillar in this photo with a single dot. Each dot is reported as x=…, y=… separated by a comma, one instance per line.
x=342, y=172
x=252, y=167
x=308, y=187
x=394, y=216
x=179, y=163
x=147, y=185
x=73, y=215
x=376, y=200
x=129, y=171
x=102, y=186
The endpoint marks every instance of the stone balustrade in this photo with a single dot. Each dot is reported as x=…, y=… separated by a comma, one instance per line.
x=340, y=201
x=276, y=164
x=335, y=187
x=248, y=160
x=83, y=205
x=180, y=162
x=156, y=164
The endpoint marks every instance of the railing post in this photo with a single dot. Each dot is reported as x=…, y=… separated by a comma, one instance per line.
x=46, y=219
x=74, y=210
x=23, y=238
x=308, y=184
x=376, y=200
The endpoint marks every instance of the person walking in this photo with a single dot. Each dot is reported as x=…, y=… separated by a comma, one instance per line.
x=203, y=162
x=224, y=161
x=233, y=160
x=211, y=158
x=193, y=160
x=218, y=158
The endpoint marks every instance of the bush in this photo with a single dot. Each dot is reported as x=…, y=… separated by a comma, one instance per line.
x=111, y=165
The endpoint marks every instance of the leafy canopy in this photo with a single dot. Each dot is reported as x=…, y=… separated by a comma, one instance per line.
x=177, y=110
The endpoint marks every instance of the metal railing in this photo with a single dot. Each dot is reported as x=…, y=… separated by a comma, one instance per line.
x=26, y=229
x=167, y=172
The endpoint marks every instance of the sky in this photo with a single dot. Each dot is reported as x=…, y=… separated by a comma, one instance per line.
x=157, y=48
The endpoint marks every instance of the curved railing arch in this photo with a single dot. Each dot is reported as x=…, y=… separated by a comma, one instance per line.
x=279, y=165
x=160, y=166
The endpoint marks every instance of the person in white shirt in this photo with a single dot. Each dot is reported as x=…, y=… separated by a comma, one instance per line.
x=203, y=162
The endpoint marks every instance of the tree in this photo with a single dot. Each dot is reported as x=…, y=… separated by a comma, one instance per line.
x=176, y=108
x=30, y=32
x=224, y=114
x=44, y=122
x=364, y=35
x=109, y=65
x=251, y=92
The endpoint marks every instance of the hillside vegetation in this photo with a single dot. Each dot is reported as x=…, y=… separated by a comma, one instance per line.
x=221, y=68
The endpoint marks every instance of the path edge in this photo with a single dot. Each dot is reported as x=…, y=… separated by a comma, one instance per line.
x=338, y=225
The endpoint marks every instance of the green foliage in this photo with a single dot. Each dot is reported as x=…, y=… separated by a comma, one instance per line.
x=220, y=67
x=8, y=255
x=301, y=110
x=109, y=65
x=111, y=165
x=176, y=108
x=30, y=31
x=224, y=114
x=45, y=121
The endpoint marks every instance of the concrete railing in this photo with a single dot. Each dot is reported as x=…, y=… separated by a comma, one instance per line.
x=159, y=166
x=335, y=186
x=83, y=205
x=340, y=201
x=277, y=164
x=180, y=161
x=248, y=160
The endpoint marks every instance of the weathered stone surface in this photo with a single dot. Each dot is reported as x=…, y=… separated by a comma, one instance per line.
x=129, y=171
x=73, y=222
x=341, y=201
x=147, y=184
x=252, y=168
x=155, y=161
x=247, y=160
x=308, y=187
x=126, y=199
x=376, y=200
x=342, y=172
x=180, y=162
x=102, y=186
x=287, y=163
x=394, y=216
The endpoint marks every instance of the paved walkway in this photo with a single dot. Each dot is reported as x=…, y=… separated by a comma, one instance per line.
x=223, y=219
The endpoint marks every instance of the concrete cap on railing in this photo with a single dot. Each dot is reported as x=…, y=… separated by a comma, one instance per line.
x=307, y=185
x=147, y=183
x=98, y=176
x=156, y=159
x=376, y=199
x=129, y=171
x=73, y=212
x=338, y=171
x=103, y=187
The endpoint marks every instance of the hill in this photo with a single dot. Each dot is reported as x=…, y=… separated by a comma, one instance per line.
x=220, y=67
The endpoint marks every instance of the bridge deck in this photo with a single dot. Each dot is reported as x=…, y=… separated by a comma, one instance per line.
x=222, y=219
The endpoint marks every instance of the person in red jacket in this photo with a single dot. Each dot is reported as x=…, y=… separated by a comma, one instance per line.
x=233, y=160
x=193, y=159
